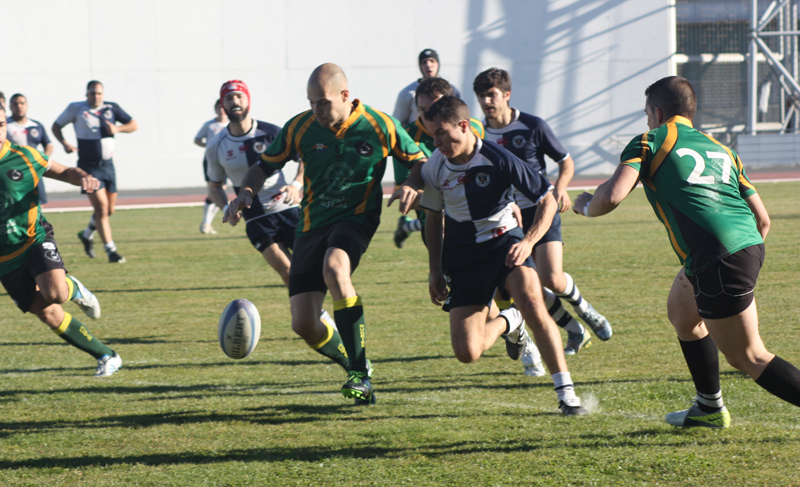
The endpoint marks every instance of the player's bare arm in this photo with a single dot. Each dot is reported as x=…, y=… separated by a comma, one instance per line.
x=566, y=170
x=545, y=211
x=608, y=195
x=760, y=212
x=68, y=148
x=252, y=182
x=200, y=143
x=125, y=128
x=216, y=191
x=48, y=150
x=407, y=193
x=437, y=287
x=294, y=190
x=72, y=175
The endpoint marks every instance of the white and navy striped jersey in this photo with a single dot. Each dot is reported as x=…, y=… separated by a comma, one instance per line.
x=476, y=197
x=529, y=138
x=31, y=133
x=95, y=142
x=231, y=156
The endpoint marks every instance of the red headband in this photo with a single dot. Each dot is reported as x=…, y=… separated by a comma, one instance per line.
x=233, y=86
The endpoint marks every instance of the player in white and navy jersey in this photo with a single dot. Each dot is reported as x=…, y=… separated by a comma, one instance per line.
x=95, y=122
x=25, y=131
x=469, y=183
x=203, y=137
x=531, y=139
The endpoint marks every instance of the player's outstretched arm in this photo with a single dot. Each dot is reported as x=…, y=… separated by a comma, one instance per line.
x=126, y=128
x=216, y=191
x=294, y=190
x=760, y=212
x=546, y=209
x=252, y=182
x=72, y=175
x=566, y=169
x=437, y=287
x=68, y=148
x=407, y=193
x=608, y=195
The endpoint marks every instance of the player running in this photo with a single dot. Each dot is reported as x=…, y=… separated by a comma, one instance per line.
x=717, y=224
x=204, y=135
x=530, y=138
x=470, y=181
x=344, y=145
x=31, y=268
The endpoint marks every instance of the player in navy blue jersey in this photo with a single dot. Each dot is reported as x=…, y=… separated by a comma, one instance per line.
x=95, y=122
x=531, y=139
x=25, y=131
x=474, y=240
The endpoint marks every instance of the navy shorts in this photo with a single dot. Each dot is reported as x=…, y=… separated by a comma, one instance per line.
x=726, y=288
x=104, y=172
x=273, y=228
x=309, y=252
x=205, y=169
x=21, y=282
x=553, y=233
x=475, y=271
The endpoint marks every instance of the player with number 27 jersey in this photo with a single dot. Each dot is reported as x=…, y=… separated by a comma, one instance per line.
x=697, y=188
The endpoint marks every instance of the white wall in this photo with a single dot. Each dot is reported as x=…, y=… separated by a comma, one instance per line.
x=581, y=64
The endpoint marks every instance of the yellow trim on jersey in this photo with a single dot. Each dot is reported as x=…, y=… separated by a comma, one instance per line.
x=672, y=238
x=309, y=200
x=32, y=217
x=665, y=149
x=378, y=131
x=358, y=110
x=301, y=133
x=325, y=340
x=742, y=179
x=473, y=122
x=347, y=303
x=363, y=205
x=64, y=324
x=681, y=120
x=29, y=163
x=288, y=141
x=4, y=150
x=392, y=134
x=421, y=126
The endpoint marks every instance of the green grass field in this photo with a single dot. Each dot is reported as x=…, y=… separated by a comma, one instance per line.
x=180, y=412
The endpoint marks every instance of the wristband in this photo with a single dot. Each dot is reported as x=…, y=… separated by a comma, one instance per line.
x=297, y=184
x=586, y=209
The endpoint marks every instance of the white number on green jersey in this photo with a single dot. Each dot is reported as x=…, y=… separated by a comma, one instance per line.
x=696, y=176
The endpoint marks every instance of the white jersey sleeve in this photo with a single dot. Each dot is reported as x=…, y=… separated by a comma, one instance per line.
x=432, y=198
x=214, y=170
x=69, y=114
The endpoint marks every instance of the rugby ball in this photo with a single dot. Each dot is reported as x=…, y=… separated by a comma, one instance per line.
x=239, y=328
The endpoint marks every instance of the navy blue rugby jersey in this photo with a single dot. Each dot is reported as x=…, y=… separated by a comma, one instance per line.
x=95, y=142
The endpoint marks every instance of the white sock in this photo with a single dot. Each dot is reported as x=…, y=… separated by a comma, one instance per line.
x=110, y=247
x=412, y=226
x=88, y=232
x=209, y=211
x=559, y=314
x=565, y=389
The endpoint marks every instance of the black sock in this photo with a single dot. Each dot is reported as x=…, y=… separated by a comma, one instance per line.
x=781, y=379
x=702, y=357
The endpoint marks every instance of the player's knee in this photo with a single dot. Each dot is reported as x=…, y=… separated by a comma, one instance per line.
x=535, y=314
x=50, y=316
x=55, y=294
x=304, y=327
x=550, y=280
x=466, y=355
x=336, y=275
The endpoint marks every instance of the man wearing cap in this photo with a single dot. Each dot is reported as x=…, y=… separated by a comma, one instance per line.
x=24, y=131
x=405, y=109
x=95, y=123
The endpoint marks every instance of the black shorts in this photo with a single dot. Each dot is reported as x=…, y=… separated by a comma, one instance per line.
x=21, y=282
x=309, y=252
x=104, y=172
x=273, y=228
x=726, y=288
x=474, y=272
x=553, y=233
x=205, y=169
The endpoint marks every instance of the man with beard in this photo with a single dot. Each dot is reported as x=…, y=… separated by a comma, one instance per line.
x=344, y=145
x=405, y=109
x=95, y=123
x=24, y=131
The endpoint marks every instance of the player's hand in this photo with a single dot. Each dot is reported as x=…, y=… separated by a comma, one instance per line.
x=90, y=184
x=517, y=214
x=69, y=148
x=562, y=198
x=437, y=287
x=580, y=202
x=244, y=200
x=293, y=195
x=111, y=127
x=407, y=196
x=519, y=252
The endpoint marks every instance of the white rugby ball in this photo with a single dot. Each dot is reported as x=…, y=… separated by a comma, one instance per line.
x=239, y=328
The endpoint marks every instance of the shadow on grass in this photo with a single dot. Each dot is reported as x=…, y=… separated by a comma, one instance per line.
x=158, y=290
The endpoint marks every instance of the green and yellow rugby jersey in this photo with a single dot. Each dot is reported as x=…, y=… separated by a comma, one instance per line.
x=344, y=167
x=424, y=140
x=697, y=188
x=21, y=167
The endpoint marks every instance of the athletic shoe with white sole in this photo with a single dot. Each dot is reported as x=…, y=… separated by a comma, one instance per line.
x=577, y=341
x=88, y=245
x=597, y=322
x=515, y=338
x=107, y=365
x=572, y=410
x=85, y=300
x=115, y=258
x=694, y=416
x=532, y=360
x=207, y=229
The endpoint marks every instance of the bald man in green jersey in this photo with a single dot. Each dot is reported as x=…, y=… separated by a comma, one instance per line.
x=344, y=145
x=717, y=224
x=428, y=91
x=31, y=268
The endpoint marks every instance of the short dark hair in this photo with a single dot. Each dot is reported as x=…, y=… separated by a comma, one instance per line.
x=92, y=84
x=16, y=95
x=217, y=103
x=492, y=78
x=448, y=109
x=672, y=95
x=433, y=87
